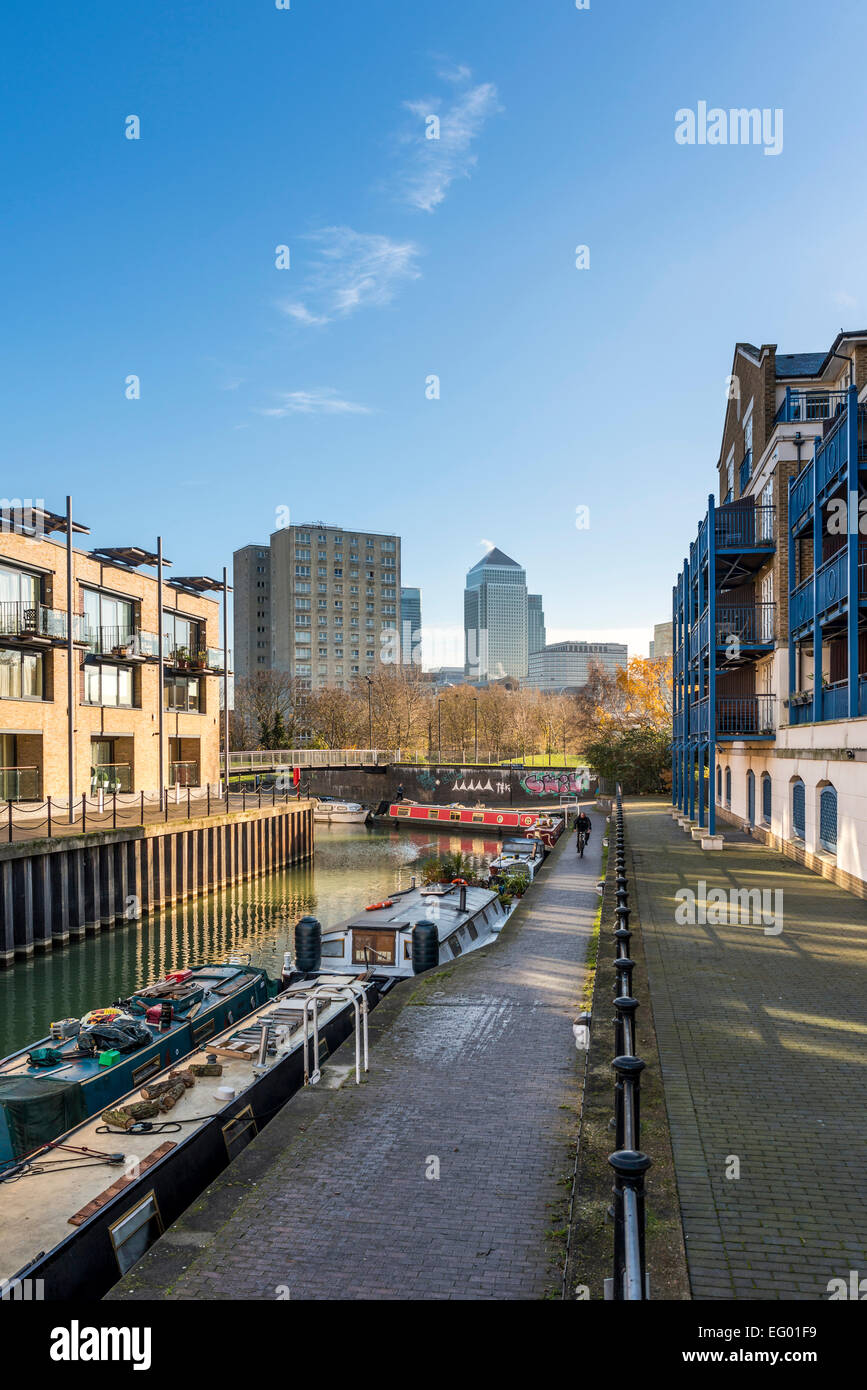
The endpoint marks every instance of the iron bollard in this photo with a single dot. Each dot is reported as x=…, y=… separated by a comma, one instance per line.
x=627, y=1101
x=623, y=968
x=621, y=912
x=624, y=1008
x=630, y=1274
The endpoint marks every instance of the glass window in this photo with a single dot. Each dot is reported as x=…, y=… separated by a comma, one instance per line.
x=20, y=675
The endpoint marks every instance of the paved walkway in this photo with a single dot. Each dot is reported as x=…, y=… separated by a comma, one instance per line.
x=763, y=1045
x=475, y=1067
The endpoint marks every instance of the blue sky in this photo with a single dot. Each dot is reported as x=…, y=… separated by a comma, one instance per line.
x=560, y=388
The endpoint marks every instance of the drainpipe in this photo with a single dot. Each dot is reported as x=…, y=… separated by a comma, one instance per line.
x=852, y=541
x=226, y=676
x=161, y=676
x=70, y=671
x=711, y=688
x=817, y=560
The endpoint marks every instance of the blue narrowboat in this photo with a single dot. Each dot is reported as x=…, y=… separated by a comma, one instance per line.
x=51, y=1085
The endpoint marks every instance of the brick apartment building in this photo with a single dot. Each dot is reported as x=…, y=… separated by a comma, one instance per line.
x=770, y=614
x=113, y=610
x=321, y=603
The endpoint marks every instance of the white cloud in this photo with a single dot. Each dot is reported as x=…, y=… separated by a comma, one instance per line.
x=351, y=270
x=433, y=165
x=322, y=401
x=489, y=545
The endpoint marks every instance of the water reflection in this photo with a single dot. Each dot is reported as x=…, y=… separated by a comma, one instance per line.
x=352, y=866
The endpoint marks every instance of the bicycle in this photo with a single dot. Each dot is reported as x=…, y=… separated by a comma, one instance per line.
x=582, y=840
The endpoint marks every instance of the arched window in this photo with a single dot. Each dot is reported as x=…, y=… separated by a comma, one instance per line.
x=828, y=819
x=719, y=783
x=751, y=797
x=728, y=786
x=799, y=804
x=766, y=798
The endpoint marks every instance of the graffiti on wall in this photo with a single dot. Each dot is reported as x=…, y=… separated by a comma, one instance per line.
x=544, y=783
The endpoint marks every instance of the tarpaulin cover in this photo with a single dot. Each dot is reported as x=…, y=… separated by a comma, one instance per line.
x=126, y=1036
x=38, y=1109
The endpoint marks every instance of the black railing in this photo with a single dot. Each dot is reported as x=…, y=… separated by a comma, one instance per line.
x=629, y=1281
x=22, y=820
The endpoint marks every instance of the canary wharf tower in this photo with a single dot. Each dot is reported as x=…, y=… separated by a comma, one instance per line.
x=495, y=619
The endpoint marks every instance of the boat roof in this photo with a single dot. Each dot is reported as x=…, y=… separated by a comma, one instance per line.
x=414, y=905
x=210, y=983
x=37, y=1210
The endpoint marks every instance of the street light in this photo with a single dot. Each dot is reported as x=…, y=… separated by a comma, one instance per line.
x=476, y=729
x=369, y=712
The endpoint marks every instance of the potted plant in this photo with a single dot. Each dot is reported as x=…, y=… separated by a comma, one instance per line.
x=182, y=658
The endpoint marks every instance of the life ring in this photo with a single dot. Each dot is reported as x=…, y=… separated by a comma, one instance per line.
x=374, y=907
x=460, y=880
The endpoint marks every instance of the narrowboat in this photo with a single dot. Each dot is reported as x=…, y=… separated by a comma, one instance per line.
x=83, y=1065
x=410, y=931
x=77, y=1214
x=517, y=857
x=501, y=822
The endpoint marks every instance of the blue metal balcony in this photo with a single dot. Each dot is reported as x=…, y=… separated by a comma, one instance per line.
x=835, y=703
x=746, y=469
x=745, y=716
x=750, y=625
x=744, y=527
x=801, y=406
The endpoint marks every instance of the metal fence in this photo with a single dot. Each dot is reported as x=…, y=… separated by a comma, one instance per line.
x=113, y=810
x=269, y=760
x=629, y=1280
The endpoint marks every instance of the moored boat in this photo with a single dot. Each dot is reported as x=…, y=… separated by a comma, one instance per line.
x=79, y=1213
x=517, y=857
x=409, y=931
x=84, y=1064
x=340, y=812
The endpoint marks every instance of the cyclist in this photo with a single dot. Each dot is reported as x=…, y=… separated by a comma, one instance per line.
x=583, y=826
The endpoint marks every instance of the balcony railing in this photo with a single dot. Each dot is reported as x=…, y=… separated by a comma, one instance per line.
x=746, y=469
x=801, y=406
x=745, y=716
x=742, y=526
x=110, y=777
x=800, y=496
x=35, y=620
x=19, y=783
x=832, y=582
x=185, y=774
x=123, y=642
x=750, y=624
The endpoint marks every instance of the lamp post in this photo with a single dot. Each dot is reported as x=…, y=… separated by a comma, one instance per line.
x=369, y=711
x=476, y=729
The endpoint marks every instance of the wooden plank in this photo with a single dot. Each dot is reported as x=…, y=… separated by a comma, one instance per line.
x=117, y=1187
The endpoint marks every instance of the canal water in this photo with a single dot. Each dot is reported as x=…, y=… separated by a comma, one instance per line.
x=352, y=866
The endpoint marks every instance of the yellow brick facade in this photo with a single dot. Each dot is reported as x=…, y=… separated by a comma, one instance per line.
x=39, y=726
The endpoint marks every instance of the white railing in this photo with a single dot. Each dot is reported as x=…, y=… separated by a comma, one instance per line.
x=263, y=759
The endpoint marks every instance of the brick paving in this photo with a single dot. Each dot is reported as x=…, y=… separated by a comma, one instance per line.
x=763, y=1047
x=475, y=1066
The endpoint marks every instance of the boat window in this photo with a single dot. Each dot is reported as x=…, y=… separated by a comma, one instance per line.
x=238, y=1133
x=204, y=1029
x=471, y=928
x=136, y=1232
x=454, y=815
x=433, y=814
x=333, y=948
x=142, y=1073
x=407, y=950
x=372, y=947
x=456, y=946
x=478, y=817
